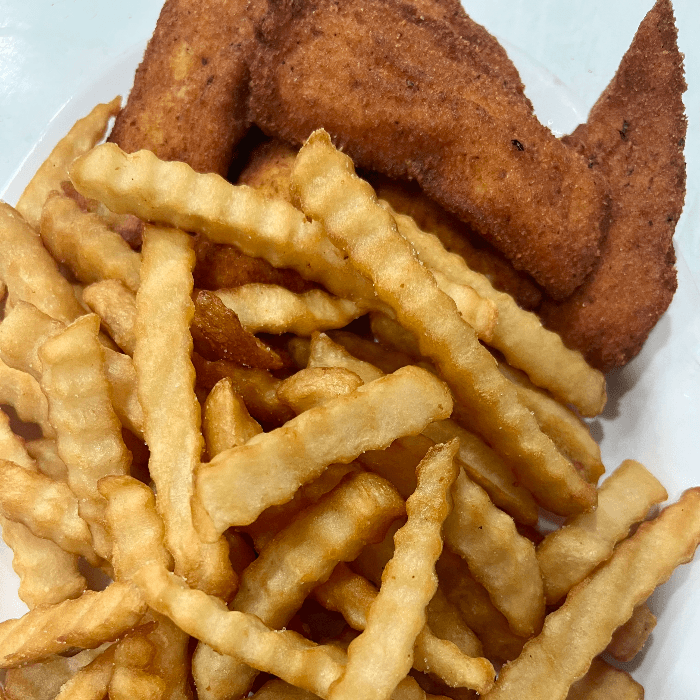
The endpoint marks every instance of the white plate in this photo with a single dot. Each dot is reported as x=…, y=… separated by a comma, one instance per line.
x=652, y=415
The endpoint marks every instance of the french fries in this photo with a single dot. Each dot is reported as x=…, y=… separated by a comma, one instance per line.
x=293, y=477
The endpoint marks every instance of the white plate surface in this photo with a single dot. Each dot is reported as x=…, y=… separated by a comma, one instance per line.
x=652, y=414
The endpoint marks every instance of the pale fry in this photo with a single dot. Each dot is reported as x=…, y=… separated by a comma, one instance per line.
x=566, y=556
x=566, y=430
x=226, y=421
x=382, y=655
x=84, y=242
x=628, y=639
x=172, y=414
x=604, y=682
x=84, y=134
x=88, y=432
x=352, y=595
x=269, y=308
x=85, y=622
x=272, y=466
x=48, y=508
x=499, y=557
x=116, y=307
x=582, y=627
x=328, y=190
x=21, y=391
x=30, y=273
x=274, y=586
x=121, y=375
x=518, y=334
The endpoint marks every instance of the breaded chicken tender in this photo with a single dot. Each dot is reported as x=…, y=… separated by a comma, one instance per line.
x=188, y=102
x=635, y=136
x=407, y=96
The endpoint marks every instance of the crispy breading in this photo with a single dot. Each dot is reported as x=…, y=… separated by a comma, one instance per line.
x=407, y=96
x=635, y=136
x=189, y=94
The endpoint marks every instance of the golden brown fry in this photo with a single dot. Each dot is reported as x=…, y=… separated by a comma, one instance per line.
x=279, y=690
x=45, y=453
x=116, y=307
x=270, y=467
x=274, y=586
x=257, y=387
x=92, y=681
x=88, y=432
x=189, y=93
x=85, y=622
x=327, y=188
x=628, y=639
x=566, y=556
x=226, y=421
x=128, y=683
x=84, y=134
x=582, y=627
x=85, y=243
x=566, y=430
x=267, y=308
x=172, y=413
x=219, y=335
x=48, y=508
x=518, y=334
x=605, y=682
x=30, y=273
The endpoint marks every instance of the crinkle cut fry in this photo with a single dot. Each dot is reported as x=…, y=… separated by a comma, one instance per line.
x=84, y=134
x=85, y=622
x=174, y=194
x=166, y=377
x=285, y=654
x=325, y=183
x=271, y=466
x=583, y=626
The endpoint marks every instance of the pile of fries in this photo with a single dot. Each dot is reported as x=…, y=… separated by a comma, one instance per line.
x=322, y=480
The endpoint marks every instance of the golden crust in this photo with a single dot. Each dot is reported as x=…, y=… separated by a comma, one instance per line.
x=189, y=94
x=407, y=96
x=635, y=137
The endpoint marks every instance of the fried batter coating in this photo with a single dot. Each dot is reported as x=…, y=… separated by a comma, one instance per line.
x=189, y=94
x=635, y=136
x=405, y=95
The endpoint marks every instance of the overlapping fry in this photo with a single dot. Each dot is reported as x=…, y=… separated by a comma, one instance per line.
x=315, y=385
x=30, y=273
x=568, y=555
x=226, y=421
x=45, y=453
x=605, y=682
x=352, y=595
x=628, y=639
x=84, y=242
x=273, y=587
x=80, y=139
x=88, y=432
x=328, y=190
x=564, y=649
x=85, y=622
x=21, y=391
x=116, y=307
x=268, y=308
x=518, y=334
x=270, y=467
x=92, y=681
x=172, y=413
